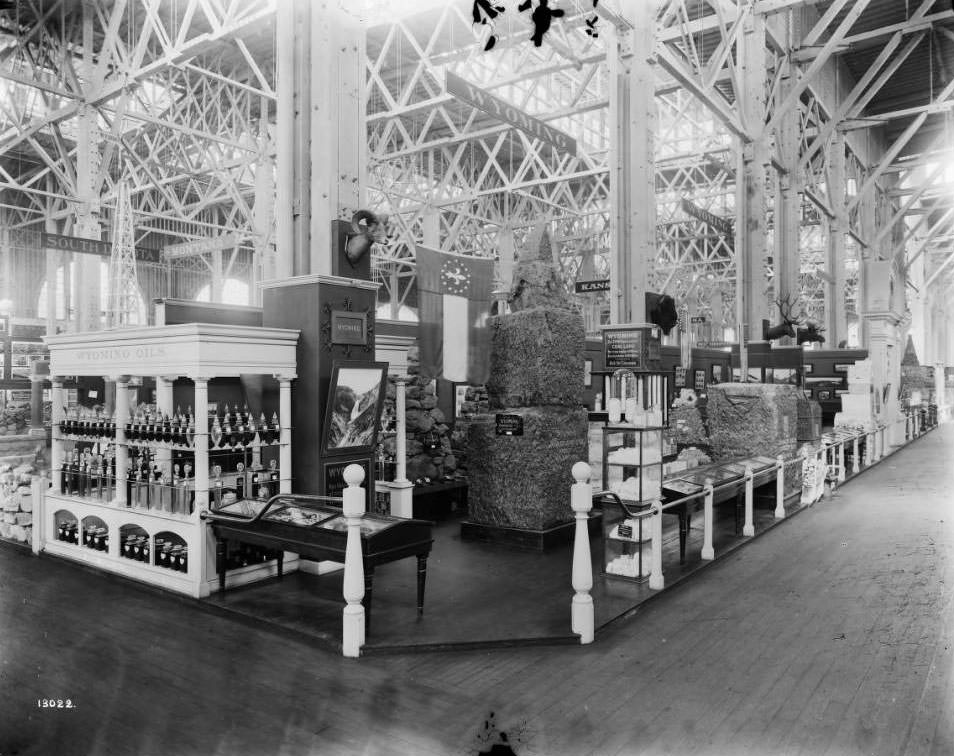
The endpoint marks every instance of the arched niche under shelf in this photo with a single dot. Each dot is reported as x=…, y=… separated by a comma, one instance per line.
x=95, y=533
x=171, y=551
x=134, y=542
x=66, y=526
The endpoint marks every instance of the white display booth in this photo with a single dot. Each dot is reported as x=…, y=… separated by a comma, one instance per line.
x=199, y=352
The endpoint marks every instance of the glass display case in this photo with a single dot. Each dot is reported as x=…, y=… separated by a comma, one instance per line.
x=626, y=532
x=314, y=527
x=633, y=462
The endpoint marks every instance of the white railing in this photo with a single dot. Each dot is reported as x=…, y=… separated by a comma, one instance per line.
x=823, y=469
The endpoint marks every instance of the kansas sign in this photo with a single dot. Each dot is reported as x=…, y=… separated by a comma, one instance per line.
x=504, y=111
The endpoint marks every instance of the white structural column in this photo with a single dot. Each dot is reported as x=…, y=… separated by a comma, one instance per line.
x=320, y=140
x=402, y=490
x=750, y=234
x=836, y=323
x=121, y=414
x=57, y=416
x=201, y=442
x=632, y=160
x=788, y=201
x=779, y=487
x=285, y=449
x=164, y=405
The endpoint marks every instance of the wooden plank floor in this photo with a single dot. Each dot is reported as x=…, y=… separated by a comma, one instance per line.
x=830, y=635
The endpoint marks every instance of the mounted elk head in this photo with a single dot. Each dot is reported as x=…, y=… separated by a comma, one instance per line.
x=788, y=324
x=811, y=332
x=366, y=229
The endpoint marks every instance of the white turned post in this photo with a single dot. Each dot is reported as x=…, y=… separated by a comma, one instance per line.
x=57, y=417
x=581, y=609
x=656, y=580
x=120, y=414
x=401, y=439
x=201, y=443
x=855, y=462
x=779, y=487
x=353, y=618
x=748, y=529
x=869, y=448
x=707, y=551
x=285, y=434
x=841, y=461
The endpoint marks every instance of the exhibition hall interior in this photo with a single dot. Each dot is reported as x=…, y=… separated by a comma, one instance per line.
x=396, y=331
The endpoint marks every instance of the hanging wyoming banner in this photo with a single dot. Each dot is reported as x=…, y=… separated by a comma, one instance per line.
x=454, y=298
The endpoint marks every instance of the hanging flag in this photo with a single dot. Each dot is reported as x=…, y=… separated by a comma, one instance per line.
x=454, y=301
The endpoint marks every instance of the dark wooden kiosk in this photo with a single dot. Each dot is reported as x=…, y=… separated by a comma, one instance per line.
x=314, y=527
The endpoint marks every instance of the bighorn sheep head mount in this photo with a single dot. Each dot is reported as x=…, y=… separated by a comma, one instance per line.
x=366, y=229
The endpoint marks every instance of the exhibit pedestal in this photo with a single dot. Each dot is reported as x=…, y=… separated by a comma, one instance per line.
x=527, y=538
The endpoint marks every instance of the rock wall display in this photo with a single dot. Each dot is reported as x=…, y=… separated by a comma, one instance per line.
x=14, y=420
x=429, y=452
x=752, y=419
x=16, y=502
x=536, y=375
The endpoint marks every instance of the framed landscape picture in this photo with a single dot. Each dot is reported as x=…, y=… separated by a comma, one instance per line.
x=355, y=400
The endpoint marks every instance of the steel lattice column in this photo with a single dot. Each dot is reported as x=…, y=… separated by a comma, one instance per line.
x=836, y=322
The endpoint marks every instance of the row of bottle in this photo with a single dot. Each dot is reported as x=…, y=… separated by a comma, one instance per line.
x=168, y=554
x=233, y=430
x=244, y=554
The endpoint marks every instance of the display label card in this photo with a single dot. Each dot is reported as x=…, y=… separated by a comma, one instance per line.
x=509, y=425
x=334, y=475
x=349, y=327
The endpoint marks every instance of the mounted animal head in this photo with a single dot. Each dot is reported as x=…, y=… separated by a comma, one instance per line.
x=661, y=311
x=366, y=229
x=788, y=324
x=811, y=332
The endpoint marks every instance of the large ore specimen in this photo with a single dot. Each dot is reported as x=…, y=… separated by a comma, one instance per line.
x=536, y=373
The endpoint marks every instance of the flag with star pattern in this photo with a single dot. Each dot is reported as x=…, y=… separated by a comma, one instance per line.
x=454, y=294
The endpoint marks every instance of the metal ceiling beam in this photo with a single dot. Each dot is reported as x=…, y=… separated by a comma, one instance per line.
x=942, y=223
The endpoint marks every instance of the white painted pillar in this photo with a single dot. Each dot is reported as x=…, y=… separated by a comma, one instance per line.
x=57, y=417
x=38, y=489
x=285, y=449
x=201, y=442
x=779, y=487
x=353, y=619
x=748, y=529
x=582, y=619
x=841, y=461
x=164, y=405
x=401, y=489
x=121, y=414
x=707, y=551
x=633, y=126
x=855, y=462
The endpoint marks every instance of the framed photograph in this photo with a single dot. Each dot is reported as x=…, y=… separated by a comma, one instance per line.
x=842, y=367
x=680, y=377
x=355, y=400
x=587, y=372
x=808, y=368
x=717, y=373
x=699, y=380
x=823, y=395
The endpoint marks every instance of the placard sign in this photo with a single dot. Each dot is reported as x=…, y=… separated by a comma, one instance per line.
x=509, y=425
x=631, y=348
x=680, y=377
x=349, y=327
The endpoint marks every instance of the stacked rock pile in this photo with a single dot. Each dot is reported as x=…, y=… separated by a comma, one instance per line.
x=16, y=502
x=429, y=452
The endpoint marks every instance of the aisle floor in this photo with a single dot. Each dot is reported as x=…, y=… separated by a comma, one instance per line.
x=831, y=634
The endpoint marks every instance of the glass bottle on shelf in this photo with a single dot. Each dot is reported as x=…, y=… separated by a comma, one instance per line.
x=240, y=481
x=273, y=477
x=166, y=429
x=276, y=429
x=215, y=434
x=190, y=434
